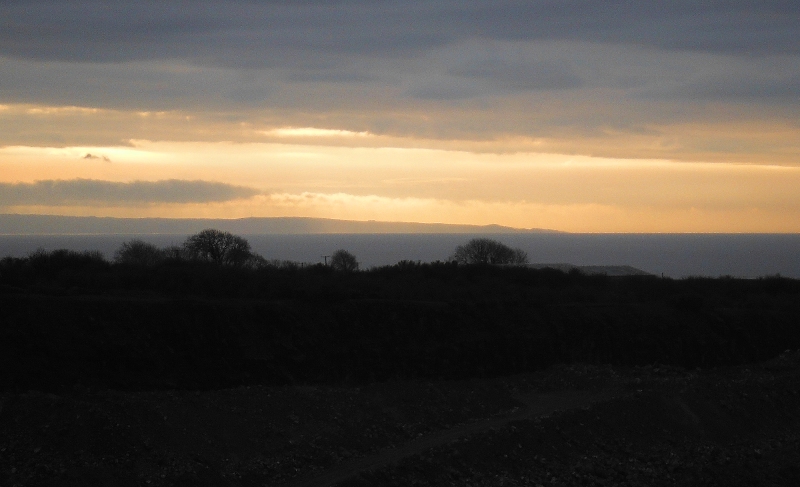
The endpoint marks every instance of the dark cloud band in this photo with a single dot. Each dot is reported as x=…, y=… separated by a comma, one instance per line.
x=583, y=74
x=294, y=33
x=95, y=192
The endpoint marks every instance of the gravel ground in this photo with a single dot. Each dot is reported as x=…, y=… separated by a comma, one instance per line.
x=568, y=425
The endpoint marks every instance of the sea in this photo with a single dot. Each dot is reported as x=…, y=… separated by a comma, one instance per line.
x=670, y=255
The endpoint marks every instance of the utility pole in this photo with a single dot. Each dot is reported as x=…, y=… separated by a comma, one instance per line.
x=326, y=259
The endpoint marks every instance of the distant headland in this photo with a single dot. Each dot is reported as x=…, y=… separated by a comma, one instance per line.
x=13, y=224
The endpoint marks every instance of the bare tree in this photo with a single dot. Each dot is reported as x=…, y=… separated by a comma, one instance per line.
x=139, y=253
x=520, y=257
x=342, y=260
x=218, y=247
x=488, y=251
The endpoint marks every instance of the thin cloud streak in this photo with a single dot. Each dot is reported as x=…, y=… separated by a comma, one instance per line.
x=313, y=132
x=109, y=193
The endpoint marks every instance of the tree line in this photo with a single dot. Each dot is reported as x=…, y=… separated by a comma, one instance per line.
x=213, y=262
x=213, y=246
x=226, y=249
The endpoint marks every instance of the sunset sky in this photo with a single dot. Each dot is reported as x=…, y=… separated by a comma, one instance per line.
x=581, y=116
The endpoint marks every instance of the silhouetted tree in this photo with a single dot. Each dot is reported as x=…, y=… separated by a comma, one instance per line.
x=520, y=257
x=342, y=260
x=218, y=247
x=139, y=253
x=176, y=252
x=488, y=251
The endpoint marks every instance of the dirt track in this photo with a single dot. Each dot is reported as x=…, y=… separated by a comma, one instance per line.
x=536, y=406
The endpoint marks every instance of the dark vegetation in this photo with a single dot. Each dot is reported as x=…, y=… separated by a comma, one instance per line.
x=342, y=260
x=211, y=314
x=488, y=251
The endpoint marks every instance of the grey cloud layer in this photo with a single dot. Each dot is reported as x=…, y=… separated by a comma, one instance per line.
x=96, y=192
x=440, y=69
x=281, y=33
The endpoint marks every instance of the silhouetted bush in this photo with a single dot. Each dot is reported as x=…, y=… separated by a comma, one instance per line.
x=60, y=259
x=488, y=251
x=139, y=253
x=61, y=269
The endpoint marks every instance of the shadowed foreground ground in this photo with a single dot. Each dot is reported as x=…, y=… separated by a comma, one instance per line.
x=195, y=374
x=567, y=425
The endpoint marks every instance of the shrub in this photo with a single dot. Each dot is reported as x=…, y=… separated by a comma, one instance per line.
x=60, y=259
x=488, y=251
x=139, y=253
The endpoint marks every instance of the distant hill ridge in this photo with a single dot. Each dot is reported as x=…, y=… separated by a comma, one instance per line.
x=13, y=224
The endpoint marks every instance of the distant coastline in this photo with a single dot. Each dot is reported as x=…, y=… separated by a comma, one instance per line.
x=15, y=224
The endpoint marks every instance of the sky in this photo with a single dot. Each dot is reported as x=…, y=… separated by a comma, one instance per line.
x=579, y=116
